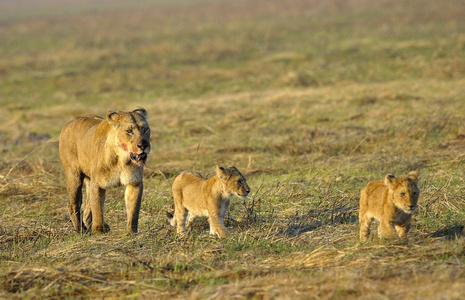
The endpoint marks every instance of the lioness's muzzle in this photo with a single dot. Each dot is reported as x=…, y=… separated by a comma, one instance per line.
x=139, y=157
x=143, y=144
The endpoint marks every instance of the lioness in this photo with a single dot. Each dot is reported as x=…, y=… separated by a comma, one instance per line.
x=392, y=202
x=196, y=196
x=104, y=153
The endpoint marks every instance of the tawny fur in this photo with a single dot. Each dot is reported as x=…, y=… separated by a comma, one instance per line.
x=196, y=196
x=392, y=202
x=104, y=153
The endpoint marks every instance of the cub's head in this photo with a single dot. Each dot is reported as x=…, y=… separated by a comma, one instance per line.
x=233, y=181
x=131, y=132
x=404, y=191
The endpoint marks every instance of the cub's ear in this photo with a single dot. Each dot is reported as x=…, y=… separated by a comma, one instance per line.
x=390, y=180
x=141, y=111
x=414, y=175
x=221, y=172
x=113, y=116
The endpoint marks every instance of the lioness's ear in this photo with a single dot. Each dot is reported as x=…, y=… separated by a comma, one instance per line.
x=414, y=175
x=141, y=111
x=390, y=180
x=221, y=172
x=112, y=116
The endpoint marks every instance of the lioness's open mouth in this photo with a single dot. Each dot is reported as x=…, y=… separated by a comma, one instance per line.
x=138, y=159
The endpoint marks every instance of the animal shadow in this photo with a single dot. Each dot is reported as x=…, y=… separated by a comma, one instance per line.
x=450, y=232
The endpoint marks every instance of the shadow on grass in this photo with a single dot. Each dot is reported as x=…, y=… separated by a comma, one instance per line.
x=340, y=216
x=450, y=232
x=294, y=231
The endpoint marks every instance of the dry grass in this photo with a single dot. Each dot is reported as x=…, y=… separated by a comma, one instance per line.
x=310, y=99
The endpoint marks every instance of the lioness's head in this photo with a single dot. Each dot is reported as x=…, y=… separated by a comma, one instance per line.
x=233, y=181
x=404, y=191
x=131, y=132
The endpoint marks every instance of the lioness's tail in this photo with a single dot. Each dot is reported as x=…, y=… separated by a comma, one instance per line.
x=170, y=218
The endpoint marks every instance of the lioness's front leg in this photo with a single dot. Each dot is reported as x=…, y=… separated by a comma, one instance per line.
x=96, y=201
x=87, y=218
x=74, y=188
x=133, y=198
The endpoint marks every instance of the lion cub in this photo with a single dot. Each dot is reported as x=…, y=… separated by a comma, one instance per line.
x=392, y=202
x=197, y=196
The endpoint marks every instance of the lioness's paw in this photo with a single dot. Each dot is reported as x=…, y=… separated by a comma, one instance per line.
x=101, y=229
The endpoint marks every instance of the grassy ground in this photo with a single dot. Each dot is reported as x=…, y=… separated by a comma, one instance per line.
x=310, y=99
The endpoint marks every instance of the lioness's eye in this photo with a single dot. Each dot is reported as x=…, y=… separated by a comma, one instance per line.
x=239, y=181
x=129, y=131
x=402, y=194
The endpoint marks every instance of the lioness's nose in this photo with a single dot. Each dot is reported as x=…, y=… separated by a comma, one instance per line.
x=143, y=144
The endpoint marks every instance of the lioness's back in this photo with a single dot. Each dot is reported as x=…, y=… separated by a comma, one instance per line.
x=76, y=133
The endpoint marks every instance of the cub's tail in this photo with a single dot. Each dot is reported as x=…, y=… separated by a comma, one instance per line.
x=170, y=218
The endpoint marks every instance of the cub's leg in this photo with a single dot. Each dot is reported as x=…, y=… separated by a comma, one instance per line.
x=402, y=230
x=215, y=218
x=96, y=202
x=190, y=218
x=364, y=220
x=365, y=223
x=217, y=227
x=223, y=211
x=180, y=212
x=133, y=198
x=386, y=230
x=180, y=215
x=74, y=181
